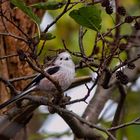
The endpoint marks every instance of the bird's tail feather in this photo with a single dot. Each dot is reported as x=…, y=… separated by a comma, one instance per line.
x=17, y=98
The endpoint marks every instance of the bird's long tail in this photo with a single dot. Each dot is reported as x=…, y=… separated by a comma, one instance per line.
x=17, y=98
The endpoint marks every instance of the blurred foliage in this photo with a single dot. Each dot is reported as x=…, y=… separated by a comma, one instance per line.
x=67, y=29
x=131, y=112
x=51, y=136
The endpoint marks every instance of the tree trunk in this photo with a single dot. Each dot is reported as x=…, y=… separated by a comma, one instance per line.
x=12, y=67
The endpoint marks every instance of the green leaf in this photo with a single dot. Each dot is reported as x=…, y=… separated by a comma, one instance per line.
x=47, y=36
x=89, y=16
x=44, y=36
x=49, y=5
x=22, y=6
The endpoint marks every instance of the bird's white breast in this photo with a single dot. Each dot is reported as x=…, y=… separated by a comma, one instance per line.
x=65, y=77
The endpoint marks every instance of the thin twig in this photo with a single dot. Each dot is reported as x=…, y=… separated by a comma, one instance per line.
x=11, y=87
x=49, y=77
x=8, y=56
x=84, y=121
x=125, y=63
x=85, y=97
x=117, y=20
x=44, y=101
x=22, y=78
x=116, y=119
x=42, y=46
x=77, y=54
x=110, y=30
x=133, y=122
x=14, y=36
x=94, y=46
x=59, y=16
x=15, y=25
x=81, y=35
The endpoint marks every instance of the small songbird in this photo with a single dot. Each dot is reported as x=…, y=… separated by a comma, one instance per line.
x=62, y=70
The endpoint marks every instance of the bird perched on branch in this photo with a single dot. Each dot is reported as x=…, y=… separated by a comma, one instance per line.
x=62, y=71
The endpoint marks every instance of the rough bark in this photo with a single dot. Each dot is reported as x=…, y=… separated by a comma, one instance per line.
x=12, y=67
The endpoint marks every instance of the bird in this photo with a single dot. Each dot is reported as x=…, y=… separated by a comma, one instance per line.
x=62, y=70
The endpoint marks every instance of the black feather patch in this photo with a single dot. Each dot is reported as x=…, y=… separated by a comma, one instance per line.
x=53, y=70
x=39, y=77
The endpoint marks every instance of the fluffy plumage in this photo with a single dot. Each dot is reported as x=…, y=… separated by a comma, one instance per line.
x=63, y=71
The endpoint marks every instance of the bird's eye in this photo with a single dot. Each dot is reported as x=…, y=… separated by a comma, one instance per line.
x=61, y=58
x=67, y=58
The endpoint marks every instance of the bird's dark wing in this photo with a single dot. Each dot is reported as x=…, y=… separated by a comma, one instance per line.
x=34, y=81
x=31, y=86
x=52, y=70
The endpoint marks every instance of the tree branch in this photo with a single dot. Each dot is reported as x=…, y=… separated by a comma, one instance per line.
x=118, y=112
x=133, y=122
x=11, y=87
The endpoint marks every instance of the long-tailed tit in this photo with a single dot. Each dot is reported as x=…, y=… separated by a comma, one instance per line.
x=62, y=70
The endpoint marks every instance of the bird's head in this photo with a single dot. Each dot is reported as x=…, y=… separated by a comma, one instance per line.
x=64, y=59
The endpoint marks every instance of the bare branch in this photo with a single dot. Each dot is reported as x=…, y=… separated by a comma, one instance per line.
x=14, y=36
x=110, y=30
x=49, y=77
x=59, y=16
x=11, y=87
x=76, y=122
x=118, y=112
x=81, y=35
x=22, y=78
x=8, y=56
x=126, y=62
x=133, y=122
